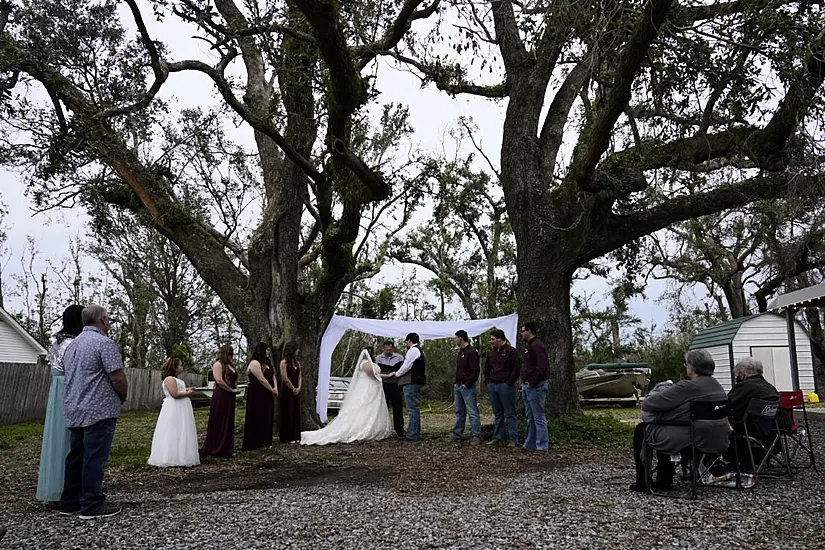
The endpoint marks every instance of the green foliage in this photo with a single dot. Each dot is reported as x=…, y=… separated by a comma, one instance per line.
x=468, y=246
x=20, y=434
x=580, y=430
x=133, y=437
x=575, y=429
x=379, y=305
x=181, y=351
x=441, y=357
x=665, y=353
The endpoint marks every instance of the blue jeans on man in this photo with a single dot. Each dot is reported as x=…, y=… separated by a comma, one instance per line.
x=85, y=463
x=412, y=393
x=466, y=403
x=537, y=438
x=503, y=400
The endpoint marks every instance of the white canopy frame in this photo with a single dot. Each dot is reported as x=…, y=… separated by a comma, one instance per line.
x=426, y=330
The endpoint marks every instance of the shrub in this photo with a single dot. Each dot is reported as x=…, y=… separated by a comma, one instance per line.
x=578, y=430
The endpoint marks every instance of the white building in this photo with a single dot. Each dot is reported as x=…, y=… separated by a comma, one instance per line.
x=17, y=345
x=764, y=337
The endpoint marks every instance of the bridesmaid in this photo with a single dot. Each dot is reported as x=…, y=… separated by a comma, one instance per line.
x=260, y=402
x=220, y=431
x=289, y=404
x=55, y=434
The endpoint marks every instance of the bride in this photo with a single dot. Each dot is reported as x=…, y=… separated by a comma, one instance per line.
x=363, y=415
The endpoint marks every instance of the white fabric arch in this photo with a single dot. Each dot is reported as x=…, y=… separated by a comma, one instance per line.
x=426, y=330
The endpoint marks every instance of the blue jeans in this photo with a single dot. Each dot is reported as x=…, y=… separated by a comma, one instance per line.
x=88, y=454
x=412, y=392
x=466, y=402
x=534, y=397
x=503, y=401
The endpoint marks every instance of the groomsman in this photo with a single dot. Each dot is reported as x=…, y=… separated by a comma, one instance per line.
x=466, y=389
x=501, y=372
x=535, y=373
x=390, y=361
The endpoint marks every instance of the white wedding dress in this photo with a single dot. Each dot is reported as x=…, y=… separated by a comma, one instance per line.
x=175, y=442
x=363, y=415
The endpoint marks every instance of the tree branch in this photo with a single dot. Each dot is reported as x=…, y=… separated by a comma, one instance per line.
x=464, y=297
x=450, y=80
x=593, y=143
x=510, y=44
x=263, y=126
x=345, y=85
x=306, y=259
x=552, y=131
x=620, y=230
x=396, y=31
x=463, y=122
x=159, y=68
x=768, y=149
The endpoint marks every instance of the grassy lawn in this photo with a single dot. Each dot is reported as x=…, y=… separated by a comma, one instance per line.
x=20, y=443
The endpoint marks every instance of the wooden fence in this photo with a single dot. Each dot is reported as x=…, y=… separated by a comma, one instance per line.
x=24, y=390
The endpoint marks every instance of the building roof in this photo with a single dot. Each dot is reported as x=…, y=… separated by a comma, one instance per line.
x=719, y=335
x=12, y=322
x=812, y=296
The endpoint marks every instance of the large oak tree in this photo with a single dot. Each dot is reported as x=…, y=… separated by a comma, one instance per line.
x=675, y=110
x=85, y=119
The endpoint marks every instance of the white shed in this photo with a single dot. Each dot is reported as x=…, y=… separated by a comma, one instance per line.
x=17, y=345
x=764, y=337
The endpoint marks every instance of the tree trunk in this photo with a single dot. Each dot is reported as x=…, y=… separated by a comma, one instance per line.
x=544, y=298
x=735, y=294
x=817, y=346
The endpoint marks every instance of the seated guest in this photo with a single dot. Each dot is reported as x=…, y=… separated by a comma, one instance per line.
x=673, y=405
x=750, y=384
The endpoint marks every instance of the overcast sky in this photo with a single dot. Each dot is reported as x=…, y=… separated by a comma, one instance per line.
x=433, y=114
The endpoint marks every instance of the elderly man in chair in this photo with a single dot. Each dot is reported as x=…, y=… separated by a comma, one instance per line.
x=673, y=405
x=750, y=384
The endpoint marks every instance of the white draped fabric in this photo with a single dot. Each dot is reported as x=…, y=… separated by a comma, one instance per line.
x=426, y=330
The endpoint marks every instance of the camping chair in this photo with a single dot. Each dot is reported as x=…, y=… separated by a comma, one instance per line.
x=701, y=459
x=796, y=437
x=758, y=430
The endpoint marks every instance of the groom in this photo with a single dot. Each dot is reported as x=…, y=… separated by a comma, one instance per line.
x=411, y=377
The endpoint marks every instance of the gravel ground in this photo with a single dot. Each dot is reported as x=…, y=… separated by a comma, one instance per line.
x=432, y=494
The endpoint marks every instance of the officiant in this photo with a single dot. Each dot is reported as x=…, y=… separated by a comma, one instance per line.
x=390, y=361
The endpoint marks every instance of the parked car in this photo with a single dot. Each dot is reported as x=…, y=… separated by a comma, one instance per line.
x=203, y=394
x=338, y=386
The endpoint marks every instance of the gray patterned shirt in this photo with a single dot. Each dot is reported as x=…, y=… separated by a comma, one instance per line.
x=89, y=396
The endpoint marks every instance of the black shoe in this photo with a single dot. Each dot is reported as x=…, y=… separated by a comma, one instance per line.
x=69, y=511
x=662, y=486
x=638, y=488
x=105, y=511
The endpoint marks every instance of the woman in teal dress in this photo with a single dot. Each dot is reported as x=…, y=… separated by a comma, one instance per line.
x=55, y=434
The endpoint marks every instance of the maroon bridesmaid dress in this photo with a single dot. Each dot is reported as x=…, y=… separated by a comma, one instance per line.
x=260, y=412
x=220, y=432
x=289, y=408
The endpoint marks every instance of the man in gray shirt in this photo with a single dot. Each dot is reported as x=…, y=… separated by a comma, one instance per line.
x=390, y=361
x=95, y=389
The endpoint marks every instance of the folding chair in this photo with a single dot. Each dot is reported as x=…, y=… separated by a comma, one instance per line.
x=701, y=458
x=797, y=439
x=759, y=431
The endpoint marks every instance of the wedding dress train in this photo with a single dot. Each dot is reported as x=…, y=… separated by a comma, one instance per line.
x=363, y=415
